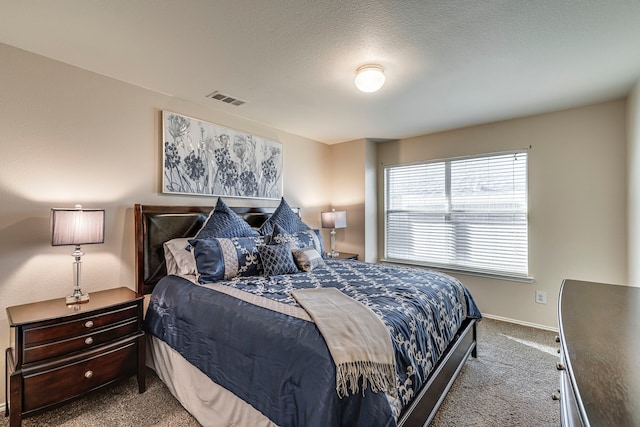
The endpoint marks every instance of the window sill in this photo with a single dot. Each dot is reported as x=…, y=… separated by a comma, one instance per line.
x=499, y=276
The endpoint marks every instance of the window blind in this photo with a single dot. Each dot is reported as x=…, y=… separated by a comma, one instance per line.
x=466, y=214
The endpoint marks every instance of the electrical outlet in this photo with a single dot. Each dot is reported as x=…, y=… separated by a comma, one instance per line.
x=541, y=297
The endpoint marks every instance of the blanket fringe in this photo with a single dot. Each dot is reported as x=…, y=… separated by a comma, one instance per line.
x=379, y=376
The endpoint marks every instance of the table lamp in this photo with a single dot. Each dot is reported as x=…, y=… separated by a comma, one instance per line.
x=77, y=227
x=334, y=219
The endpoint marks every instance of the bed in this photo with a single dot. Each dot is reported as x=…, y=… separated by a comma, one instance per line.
x=242, y=353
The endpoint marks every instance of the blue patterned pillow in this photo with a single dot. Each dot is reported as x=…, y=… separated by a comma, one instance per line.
x=223, y=222
x=223, y=259
x=277, y=260
x=299, y=239
x=285, y=218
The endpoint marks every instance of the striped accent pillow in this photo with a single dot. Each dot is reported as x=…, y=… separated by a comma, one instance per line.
x=224, y=259
x=307, y=258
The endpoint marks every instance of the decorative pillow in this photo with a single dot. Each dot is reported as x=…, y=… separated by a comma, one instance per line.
x=223, y=222
x=179, y=259
x=285, y=218
x=277, y=259
x=223, y=259
x=307, y=258
x=300, y=239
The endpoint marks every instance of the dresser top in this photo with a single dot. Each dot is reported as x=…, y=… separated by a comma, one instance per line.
x=600, y=333
x=57, y=308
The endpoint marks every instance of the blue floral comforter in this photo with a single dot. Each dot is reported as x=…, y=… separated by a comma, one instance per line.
x=280, y=364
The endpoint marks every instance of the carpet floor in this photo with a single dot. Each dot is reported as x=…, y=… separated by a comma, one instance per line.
x=509, y=384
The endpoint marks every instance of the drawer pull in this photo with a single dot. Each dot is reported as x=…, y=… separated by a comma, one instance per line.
x=557, y=338
x=88, y=374
x=560, y=366
x=88, y=341
x=88, y=324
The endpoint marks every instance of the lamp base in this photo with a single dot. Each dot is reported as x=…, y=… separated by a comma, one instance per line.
x=333, y=254
x=77, y=299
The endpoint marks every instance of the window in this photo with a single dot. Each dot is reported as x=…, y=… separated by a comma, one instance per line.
x=465, y=214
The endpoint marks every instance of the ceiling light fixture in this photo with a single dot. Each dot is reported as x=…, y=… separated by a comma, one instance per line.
x=369, y=78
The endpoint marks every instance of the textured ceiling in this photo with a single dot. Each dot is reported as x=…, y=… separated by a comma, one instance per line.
x=448, y=63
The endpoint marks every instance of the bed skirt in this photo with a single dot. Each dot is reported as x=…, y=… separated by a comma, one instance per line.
x=209, y=403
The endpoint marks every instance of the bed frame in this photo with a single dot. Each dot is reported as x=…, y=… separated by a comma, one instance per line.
x=156, y=224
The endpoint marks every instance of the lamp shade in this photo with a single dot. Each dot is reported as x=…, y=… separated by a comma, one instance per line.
x=77, y=226
x=334, y=219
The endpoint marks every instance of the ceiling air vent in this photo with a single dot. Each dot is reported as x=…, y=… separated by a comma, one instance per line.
x=226, y=98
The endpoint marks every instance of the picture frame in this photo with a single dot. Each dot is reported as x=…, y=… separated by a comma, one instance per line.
x=206, y=159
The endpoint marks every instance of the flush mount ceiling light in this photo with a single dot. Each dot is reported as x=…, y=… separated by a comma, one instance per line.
x=369, y=78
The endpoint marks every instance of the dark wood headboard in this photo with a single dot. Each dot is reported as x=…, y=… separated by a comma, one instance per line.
x=154, y=225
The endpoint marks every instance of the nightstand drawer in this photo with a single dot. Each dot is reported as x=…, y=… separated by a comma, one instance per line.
x=57, y=383
x=61, y=331
x=81, y=342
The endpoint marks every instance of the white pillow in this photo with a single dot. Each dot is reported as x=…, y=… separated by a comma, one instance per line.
x=179, y=260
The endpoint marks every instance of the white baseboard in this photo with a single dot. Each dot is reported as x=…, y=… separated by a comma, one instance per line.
x=2, y=407
x=519, y=322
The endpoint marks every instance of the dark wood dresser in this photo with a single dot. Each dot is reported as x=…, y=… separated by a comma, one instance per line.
x=61, y=352
x=600, y=354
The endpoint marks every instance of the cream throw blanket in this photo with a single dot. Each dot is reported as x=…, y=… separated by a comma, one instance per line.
x=358, y=340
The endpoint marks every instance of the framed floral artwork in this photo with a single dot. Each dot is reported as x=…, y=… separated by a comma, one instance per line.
x=203, y=158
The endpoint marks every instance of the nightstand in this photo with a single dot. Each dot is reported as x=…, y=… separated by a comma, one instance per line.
x=61, y=352
x=347, y=255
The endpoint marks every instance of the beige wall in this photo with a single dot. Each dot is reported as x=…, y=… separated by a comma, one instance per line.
x=347, y=181
x=633, y=167
x=353, y=189
x=69, y=136
x=577, y=200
